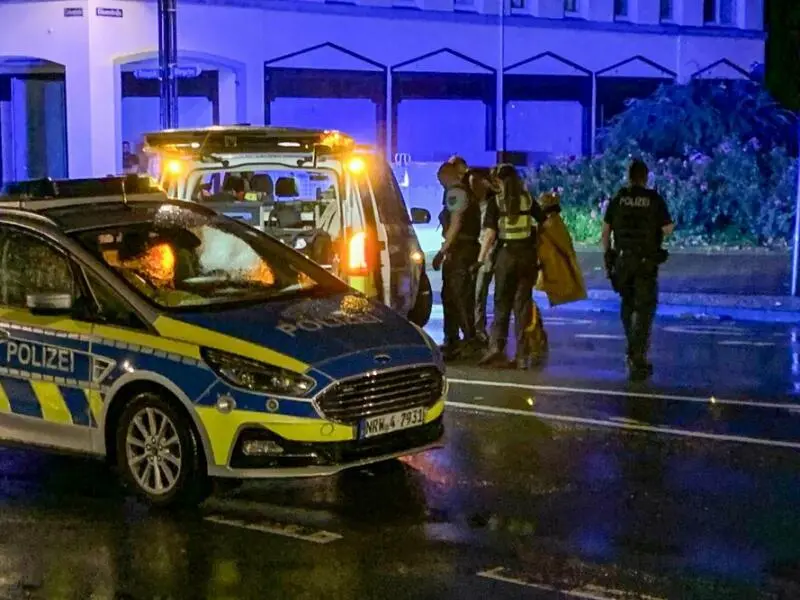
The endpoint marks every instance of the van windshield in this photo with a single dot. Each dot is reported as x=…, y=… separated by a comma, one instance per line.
x=185, y=259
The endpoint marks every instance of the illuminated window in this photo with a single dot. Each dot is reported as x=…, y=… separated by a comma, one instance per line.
x=666, y=10
x=571, y=6
x=720, y=12
x=620, y=8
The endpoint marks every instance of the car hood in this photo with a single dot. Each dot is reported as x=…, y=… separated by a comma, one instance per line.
x=320, y=331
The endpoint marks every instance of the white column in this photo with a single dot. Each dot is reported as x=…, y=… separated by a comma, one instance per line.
x=7, y=140
x=19, y=130
x=500, y=101
x=389, y=124
x=254, y=93
x=227, y=97
x=593, y=117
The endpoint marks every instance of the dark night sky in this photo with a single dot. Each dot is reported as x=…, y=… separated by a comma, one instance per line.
x=783, y=51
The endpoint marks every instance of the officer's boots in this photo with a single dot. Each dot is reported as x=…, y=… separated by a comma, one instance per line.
x=638, y=369
x=494, y=356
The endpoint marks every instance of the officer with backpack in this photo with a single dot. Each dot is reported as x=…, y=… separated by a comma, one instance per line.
x=512, y=221
x=457, y=259
x=638, y=219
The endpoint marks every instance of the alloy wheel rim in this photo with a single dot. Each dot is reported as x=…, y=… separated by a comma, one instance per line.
x=153, y=450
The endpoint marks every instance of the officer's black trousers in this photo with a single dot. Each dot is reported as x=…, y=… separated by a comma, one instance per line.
x=515, y=276
x=458, y=291
x=637, y=283
x=482, y=284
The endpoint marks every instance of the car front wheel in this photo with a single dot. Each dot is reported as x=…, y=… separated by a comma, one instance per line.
x=158, y=453
x=420, y=314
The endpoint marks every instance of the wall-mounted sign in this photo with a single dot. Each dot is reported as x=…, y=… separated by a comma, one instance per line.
x=115, y=13
x=180, y=73
x=73, y=12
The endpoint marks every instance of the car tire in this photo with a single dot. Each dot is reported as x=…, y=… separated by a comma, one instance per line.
x=420, y=314
x=159, y=455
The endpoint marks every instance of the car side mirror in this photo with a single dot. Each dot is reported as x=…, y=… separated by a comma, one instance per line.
x=420, y=216
x=49, y=303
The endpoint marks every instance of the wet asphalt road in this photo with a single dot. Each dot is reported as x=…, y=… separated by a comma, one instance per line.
x=566, y=479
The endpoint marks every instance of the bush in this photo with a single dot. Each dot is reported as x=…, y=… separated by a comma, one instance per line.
x=728, y=179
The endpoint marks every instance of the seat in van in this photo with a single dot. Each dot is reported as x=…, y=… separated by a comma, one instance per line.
x=286, y=187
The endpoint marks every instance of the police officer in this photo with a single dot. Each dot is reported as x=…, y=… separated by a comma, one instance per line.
x=638, y=220
x=451, y=327
x=511, y=220
x=458, y=256
x=482, y=184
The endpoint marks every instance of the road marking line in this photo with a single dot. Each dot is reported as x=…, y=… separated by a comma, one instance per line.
x=588, y=592
x=745, y=343
x=600, y=336
x=619, y=393
x=292, y=531
x=565, y=321
x=705, y=330
x=719, y=437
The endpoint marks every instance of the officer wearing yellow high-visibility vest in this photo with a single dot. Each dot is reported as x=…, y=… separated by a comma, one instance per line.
x=512, y=221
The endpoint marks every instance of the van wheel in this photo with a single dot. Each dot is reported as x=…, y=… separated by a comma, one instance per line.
x=158, y=453
x=420, y=314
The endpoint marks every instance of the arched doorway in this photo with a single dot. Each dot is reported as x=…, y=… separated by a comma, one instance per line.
x=33, y=119
x=327, y=87
x=635, y=78
x=548, y=107
x=444, y=102
x=208, y=94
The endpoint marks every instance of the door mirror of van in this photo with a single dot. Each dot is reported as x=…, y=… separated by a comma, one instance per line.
x=420, y=216
x=49, y=303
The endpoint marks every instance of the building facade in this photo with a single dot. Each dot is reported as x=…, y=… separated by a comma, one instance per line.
x=421, y=78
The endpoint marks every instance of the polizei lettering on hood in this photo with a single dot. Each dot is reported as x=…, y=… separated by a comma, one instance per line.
x=312, y=325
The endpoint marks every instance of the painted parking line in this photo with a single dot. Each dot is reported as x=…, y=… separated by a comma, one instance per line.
x=290, y=530
x=706, y=330
x=737, y=343
x=746, y=343
x=587, y=592
x=717, y=437
x=623, y=394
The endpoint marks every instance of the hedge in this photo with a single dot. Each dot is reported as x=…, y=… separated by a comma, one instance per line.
x=721, y=155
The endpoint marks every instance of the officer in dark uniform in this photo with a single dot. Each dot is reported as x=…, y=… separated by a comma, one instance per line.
x=638, y=219
x=458, y=256
x=450, y=320
x=512, y=221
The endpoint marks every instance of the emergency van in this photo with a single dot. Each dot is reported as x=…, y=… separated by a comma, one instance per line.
x=317, y=191
x=183, y=345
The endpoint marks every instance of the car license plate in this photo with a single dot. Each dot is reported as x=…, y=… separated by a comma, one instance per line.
x=382, y=424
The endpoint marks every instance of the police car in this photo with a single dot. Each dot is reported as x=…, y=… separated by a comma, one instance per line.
x=183, y=345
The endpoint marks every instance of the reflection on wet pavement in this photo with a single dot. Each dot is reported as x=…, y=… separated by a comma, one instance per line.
x=514, y=506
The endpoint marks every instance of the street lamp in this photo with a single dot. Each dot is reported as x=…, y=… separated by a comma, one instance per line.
x=168, y=62
x=501, y=101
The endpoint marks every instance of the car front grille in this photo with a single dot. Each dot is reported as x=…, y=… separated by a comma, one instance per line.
x=381, y=392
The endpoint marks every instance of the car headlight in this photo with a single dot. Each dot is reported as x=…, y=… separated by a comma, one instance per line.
x=256, y=376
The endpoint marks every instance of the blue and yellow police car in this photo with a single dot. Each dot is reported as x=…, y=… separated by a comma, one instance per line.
x=182, y=345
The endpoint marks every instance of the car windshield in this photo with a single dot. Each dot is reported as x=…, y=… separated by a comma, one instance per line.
x=185, y=259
